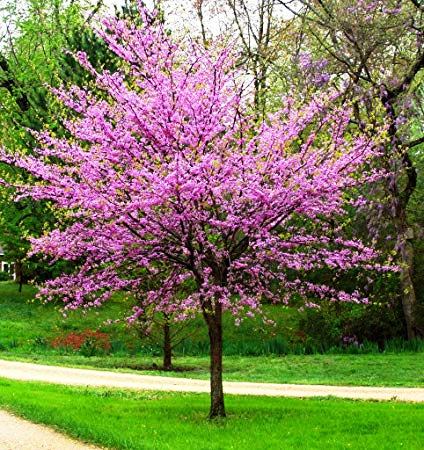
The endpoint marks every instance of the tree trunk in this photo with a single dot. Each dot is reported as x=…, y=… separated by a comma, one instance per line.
x=409, y=298
x=400, y=199
x=19, y=274
x=167, y=346
x=215, y=339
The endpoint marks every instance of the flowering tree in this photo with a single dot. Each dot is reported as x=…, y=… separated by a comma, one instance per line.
x=167, y=181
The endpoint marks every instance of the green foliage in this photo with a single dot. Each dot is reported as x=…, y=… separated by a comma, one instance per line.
x=33, y=57
x=5, y=276
x=352, y=325
x=361, y=55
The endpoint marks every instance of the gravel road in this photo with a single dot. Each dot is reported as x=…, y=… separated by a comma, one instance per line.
x=19, y=434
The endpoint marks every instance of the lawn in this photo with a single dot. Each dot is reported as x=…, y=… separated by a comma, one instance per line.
x=28, y=327
x=152, y=420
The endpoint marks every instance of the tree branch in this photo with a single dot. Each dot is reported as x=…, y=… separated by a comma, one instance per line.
x=415, y=142
x=409, y=77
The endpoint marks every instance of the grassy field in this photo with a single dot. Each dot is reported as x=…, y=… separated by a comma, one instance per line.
x=151, y=420
x=27, y=329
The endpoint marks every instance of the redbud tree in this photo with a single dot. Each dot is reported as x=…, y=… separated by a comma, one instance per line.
x=165, y=179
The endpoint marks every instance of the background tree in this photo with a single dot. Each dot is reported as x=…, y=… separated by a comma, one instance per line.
x=372, y=52
x=255, y=27
x=167, y=326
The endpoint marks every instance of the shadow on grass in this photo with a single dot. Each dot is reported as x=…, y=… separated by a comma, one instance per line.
x=155, y=367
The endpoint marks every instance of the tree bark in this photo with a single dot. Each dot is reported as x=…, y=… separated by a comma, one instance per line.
x=400, y=199
x=215, y=338
x=19, y=274
x=167, y=346
x=406, y=257
x=409, y=299
x=404, y=244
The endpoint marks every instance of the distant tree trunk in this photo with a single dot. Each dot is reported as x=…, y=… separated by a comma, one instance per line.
x=19, y=274
x=167, y=345
x=199, y=12
x=409, y=299
x=409, y=296
x=215, y=338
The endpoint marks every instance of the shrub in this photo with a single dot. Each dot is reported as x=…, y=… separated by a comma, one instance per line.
x=87, y=342
x=336, y=325
x=5, y=276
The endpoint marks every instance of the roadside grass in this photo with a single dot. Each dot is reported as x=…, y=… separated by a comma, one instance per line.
x=27, y=328
x=404, y=369
x=157, y=420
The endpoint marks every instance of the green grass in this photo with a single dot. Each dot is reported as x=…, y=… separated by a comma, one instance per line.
x=151, y=420
x=28, y=326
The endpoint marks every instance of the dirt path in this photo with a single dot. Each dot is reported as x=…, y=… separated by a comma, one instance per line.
x=84, y=377
x=19, y=434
